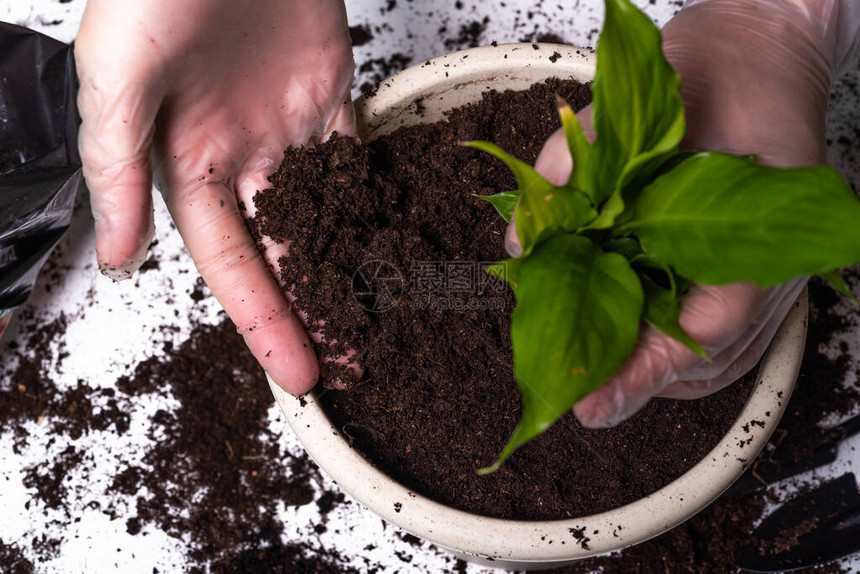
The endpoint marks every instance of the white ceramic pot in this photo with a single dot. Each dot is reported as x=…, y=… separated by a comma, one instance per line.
x=442, y=84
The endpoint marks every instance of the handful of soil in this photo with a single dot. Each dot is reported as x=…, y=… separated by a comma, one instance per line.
x=387, y=248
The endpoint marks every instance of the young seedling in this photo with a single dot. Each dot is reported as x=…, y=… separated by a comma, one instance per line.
x=639, y=220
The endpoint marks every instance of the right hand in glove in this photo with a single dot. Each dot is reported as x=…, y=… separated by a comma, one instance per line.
x=208, y=94
x=755, y=76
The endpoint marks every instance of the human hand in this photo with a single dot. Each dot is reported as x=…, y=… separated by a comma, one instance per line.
x=208, y=94
x=755, y=77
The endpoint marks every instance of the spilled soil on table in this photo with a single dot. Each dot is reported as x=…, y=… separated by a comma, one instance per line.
x=214, y=477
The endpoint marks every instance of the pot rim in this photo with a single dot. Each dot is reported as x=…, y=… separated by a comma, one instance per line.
x=535, y=543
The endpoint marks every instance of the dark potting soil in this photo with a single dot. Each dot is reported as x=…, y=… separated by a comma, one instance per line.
x=216, y=449
x=387, y=245
x=214, y=476
x=13, y=561
x=360, y=35
x=469, y=36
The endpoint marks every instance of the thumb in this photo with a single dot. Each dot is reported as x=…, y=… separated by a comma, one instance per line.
x=714, y=316
x=114, y=138
x=654, y=364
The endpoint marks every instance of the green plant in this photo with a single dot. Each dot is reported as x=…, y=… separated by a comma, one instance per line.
x=639, y=220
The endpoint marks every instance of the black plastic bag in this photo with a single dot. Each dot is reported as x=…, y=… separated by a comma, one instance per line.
x=39, y=162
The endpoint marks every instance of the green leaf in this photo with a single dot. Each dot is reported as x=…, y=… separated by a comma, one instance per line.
x=836, y=281
x=626, y=246
x=526, y=175
x=662, y=310
x=550, y=208
x=719, y=219
x=575, y=323
x=543, y=208
x=648, y=261
x=504, y=202
x=507, y=270
x=609, y=212
x=638, y=112
x=580, y=149
x=662, y=305
x=642, y=169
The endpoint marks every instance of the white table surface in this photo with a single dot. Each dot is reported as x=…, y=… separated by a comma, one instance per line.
x=112, y=326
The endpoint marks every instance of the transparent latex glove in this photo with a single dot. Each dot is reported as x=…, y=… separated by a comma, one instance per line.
x=208, y=94
x=755, y=78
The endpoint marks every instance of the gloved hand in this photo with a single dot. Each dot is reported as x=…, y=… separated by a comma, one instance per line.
x=755, y=77
x=208, y=94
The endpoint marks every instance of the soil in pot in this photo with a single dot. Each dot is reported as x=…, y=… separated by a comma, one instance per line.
x=387, y=245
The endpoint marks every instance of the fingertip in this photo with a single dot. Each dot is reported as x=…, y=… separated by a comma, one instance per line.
x=554, y=161
x=586, y=120
x=121, y=254
x=617, y=400
x=121, y=202
x=289, y=360
x=600, y=409
x=512, y=241
x=716, y=315
x=282, y=347
x=296, y=381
